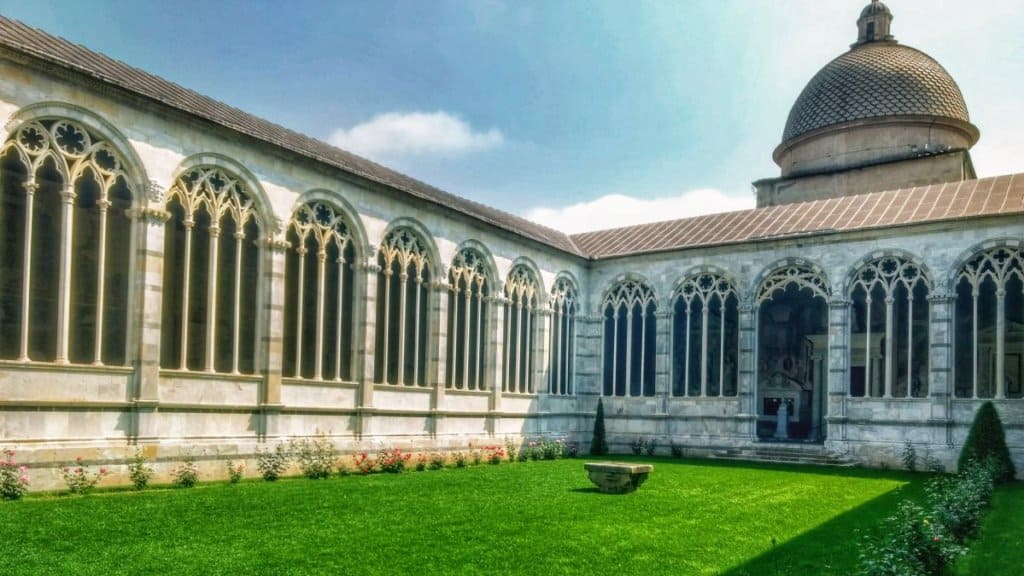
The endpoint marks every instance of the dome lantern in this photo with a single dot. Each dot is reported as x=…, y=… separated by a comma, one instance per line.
x=873, y=24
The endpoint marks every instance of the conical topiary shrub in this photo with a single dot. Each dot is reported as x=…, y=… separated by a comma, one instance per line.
x=599, y=444
x=987, y=441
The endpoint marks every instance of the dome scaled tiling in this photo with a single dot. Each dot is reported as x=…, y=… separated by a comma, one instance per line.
x=876, y=80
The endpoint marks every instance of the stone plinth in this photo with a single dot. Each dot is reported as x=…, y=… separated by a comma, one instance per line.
x=617, y=477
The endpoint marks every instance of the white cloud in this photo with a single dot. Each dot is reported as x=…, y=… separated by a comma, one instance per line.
x=615, y=210
x=395, y=134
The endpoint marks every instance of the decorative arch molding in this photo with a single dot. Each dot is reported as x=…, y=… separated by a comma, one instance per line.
x=705, y=269
x=134, y=169
x=800, y=271
x=565, y=307
x=431, y=250
x=538, y=278
x=952, y=276
x=470, y=288
x=614, y=284
x=878, y=255
x=629, y=338
x=342, y=206
x=490, y=268
x=275, y=226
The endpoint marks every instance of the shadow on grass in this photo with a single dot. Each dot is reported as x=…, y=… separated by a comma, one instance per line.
x=832, y=547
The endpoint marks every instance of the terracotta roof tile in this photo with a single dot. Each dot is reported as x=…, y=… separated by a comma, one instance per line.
x=919, y=205
x=40, y=45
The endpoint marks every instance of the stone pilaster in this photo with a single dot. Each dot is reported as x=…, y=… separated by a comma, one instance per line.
x=542, y=358
x=150, y=255
x=367, y=346
x=838, y=370
x=663, y=359
x=274, y=359
x=439, y=351
x=940, y=374
x=747, y=392
x=496, y=350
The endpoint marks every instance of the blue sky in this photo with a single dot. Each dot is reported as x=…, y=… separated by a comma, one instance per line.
x=580, y=114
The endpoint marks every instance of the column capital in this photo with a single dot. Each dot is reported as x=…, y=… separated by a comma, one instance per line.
x=277, y=243
x=939, y=297
x=839, y=303
x=152, y=215
x=371, y=267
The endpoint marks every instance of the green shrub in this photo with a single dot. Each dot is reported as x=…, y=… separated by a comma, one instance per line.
x=986, y=441
x=139, y=470
x=959, y=501
x=186, y=474
x=911, y=544
x=272, y=463
x=599, y=443
x=13, y=477
x=315, y=456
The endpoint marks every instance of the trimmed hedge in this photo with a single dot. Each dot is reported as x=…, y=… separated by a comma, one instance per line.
x=599, y=443
x=987, y=442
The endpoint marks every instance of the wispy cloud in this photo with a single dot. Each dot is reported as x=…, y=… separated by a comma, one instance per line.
x=396, y=135
x=616, y=210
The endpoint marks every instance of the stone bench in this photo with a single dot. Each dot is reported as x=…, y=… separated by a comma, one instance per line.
x=617, y=477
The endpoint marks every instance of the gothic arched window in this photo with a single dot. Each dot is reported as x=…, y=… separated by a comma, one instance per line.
x=629, y=340
x=467, y=326
x=211, y=274
x=65, y=246
x=402, y=307
x=520, y=325
x=562, y=369
x=705, y=337
x=318, y=295
x=889, y=330
x=988, y=331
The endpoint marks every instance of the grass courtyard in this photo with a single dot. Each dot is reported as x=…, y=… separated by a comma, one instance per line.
x=691, y=517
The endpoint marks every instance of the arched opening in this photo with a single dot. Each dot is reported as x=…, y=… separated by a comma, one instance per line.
x=630, y=340
x=468, y=304
x=792, y=356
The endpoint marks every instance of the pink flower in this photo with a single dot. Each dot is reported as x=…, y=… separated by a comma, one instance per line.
x=936, y=539
x=23, y=479
x=103, y=471
x=78, y=459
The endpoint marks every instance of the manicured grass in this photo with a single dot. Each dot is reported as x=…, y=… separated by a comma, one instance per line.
x=999, y=548
x=692, y=517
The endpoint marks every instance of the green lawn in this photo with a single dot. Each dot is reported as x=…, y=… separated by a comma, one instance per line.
x=692, y=517
x=999, y=548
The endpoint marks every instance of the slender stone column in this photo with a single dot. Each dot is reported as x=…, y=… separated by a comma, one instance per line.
x=747, y=392
x=1000, y=375
x=274, y=360
x=940, y=383
x=367, y=348
x=67, y=212
x=150, y=254
x=838, y=372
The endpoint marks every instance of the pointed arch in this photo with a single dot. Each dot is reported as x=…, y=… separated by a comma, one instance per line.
x=471, y=277
x=780, y=274
x=522, y=291
x=888, y=292
x=319, y=292
x=565, y=307
x=987, y=285
x=66, y=217
x=630, y=337
x=406, y=258
x=705, y=333
x=213, y=248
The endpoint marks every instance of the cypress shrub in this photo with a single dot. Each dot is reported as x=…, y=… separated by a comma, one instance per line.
x=599, y=444
x=986, y=444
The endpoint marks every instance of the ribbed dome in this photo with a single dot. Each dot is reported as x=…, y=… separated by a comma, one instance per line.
x=875, y=80
x=875, y=8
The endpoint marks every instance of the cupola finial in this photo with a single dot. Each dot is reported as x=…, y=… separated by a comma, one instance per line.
x=873, y=24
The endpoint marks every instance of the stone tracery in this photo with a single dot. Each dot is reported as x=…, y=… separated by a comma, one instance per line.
x=705, y=328
x=562, y=368
x=67, y=230
x=521, y=294
x=402, y=292
x=629, y=339
x=468, y=305
x=321, y=251
x=989, y=324
x=211, y=274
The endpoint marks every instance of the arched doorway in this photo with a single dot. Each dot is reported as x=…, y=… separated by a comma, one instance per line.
x=792, y=356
